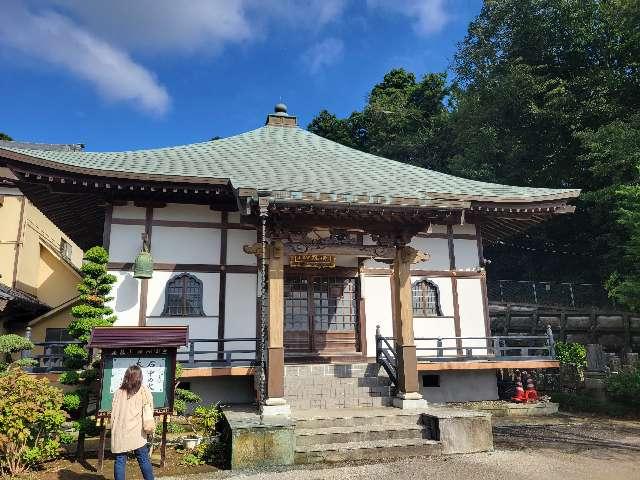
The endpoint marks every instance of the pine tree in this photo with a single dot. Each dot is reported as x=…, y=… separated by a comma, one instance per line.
x=91, y=312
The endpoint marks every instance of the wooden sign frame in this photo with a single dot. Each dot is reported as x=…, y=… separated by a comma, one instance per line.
x=312, y=260
x=138, y=343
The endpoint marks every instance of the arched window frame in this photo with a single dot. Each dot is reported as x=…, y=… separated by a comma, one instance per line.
x=194, y=310
x=422, y=309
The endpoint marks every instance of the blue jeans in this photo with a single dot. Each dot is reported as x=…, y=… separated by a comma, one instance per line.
x=142, y=455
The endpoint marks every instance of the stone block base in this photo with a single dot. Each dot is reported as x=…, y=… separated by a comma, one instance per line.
x=460, y=431
x=409, y=401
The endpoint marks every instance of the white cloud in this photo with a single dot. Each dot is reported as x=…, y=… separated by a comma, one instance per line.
x=429, y=16
x=59, y=41
x=164, y=25
x=323, y=54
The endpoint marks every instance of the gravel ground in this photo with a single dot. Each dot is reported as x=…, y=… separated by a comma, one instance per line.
x=561, y=447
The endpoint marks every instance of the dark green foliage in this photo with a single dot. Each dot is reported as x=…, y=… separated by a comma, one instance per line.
x=581, y=403
x=69, y=378
x=5, y=137
x=546, y=93
x=87, y=426
x=624, y=387
x=9, y=345
x=404, y=119
x=571, y=353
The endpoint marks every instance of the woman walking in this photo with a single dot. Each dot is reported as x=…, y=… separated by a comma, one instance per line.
x=131, y=421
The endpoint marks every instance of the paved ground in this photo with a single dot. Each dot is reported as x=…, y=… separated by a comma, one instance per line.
x=564, y=448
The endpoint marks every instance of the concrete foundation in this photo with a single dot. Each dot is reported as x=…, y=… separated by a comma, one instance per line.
x=460, y=431
x=461, y=386
x=260, y=442
x=508, y=409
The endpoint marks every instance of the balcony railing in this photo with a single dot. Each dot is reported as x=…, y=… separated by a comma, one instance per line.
x=218, y=352
x=201, y=352
x=460, y=349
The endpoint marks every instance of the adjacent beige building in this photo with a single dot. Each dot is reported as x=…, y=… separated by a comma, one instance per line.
x=39, y=267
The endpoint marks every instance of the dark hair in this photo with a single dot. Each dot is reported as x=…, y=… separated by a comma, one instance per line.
x=132, y=380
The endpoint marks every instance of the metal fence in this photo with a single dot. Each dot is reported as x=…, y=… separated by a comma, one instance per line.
x=573, y=295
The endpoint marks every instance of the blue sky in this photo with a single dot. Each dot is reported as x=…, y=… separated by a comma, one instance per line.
x=120, y=75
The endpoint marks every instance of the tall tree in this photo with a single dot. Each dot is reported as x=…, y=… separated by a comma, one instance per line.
x=543, y=86
x=403, y=119
x=5, y=137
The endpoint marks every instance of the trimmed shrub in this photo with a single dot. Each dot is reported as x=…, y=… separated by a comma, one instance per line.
x=31, y=419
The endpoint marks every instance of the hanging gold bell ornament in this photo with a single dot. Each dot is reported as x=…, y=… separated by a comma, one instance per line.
x=143, y=266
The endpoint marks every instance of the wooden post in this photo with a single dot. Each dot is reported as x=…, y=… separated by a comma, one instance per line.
x=163, y=444
x=407, y=364
x=101, y=446
x=275, y=361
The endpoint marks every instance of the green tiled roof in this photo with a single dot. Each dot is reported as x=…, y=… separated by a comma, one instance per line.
x=290, y=159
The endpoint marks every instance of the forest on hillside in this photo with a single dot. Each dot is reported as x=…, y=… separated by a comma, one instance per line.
x=541, y=93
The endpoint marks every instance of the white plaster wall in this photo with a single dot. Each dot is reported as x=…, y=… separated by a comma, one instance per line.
x=236, y=239
x=199, y=327
x=433, y=327
x=125, y=242
x=466, y=252
x=438, y=248
x=240, y=315
x=156, y=292
x=126, y=302
x=377, y=305
x=186, y=213
x=438, y=229
x=129, y=211
x=462, y=386
x=233, y=217
x=185, y=245
x=472, y=313
x=466, y=229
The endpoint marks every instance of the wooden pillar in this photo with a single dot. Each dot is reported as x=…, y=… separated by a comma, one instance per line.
x=407, y=365
x=275, y=361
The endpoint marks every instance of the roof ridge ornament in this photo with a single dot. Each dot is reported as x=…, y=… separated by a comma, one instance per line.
x=280, y=117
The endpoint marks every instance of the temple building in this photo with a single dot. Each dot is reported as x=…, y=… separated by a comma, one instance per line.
x=297, y=262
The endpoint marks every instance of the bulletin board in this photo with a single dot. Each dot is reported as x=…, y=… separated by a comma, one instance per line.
x=157, y=374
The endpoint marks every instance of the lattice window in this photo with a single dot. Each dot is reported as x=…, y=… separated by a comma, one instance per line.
x=183, y=297
x=334, y=301
x=296, y=305
x=426, y=299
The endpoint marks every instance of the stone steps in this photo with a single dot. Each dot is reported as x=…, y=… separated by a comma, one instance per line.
x=348, y=434
x=363, y=433
x=322, y=386
x=339, y=452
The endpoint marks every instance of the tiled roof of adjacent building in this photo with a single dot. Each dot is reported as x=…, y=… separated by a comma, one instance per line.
x=64, y=147
x=287, y=159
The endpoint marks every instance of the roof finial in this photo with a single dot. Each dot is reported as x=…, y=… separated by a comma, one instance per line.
x=280, y=109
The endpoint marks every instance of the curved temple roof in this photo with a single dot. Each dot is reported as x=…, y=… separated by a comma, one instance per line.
x=284, y=159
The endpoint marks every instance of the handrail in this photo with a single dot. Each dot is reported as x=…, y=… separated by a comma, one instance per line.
x=513, y=347
x=386, y=357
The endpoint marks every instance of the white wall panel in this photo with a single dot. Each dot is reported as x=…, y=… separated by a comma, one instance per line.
x=466, y=229
x=129, y=211
x=240, y=314
x=471, y=312
x=377, y=304
x=236, y=239
x=432, y=327
x=126, y=302
x=185, y=245
x=438, y=248
x=186, y=213
x=199, y=327
x=466, y=252
x=125, y=242
x=157, y=287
